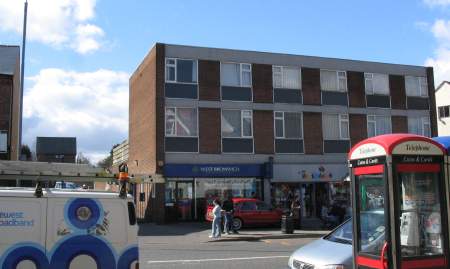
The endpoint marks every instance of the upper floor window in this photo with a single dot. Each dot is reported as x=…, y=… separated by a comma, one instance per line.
x=419, y=126
x=286, y=77
x=416, y=86
x=236, y=74
x=181, y=70
x=237, y=123
x=335, y=127
x=376, y=84
x=288, y=125
x=3, y=141
x=444, y=111
x=331, y=80
x=378, y=125
x=181, y=122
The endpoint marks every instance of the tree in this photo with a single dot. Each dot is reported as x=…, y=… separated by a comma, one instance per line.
x=81, y=159
x=25, y=153
x=108, y=160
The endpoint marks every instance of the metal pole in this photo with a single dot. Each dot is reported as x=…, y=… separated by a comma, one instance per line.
x=22, y=70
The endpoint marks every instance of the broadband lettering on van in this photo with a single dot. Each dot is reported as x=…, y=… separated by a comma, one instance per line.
x=15, y=219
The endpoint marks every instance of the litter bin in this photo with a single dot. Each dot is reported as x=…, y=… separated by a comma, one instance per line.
x=287, y=224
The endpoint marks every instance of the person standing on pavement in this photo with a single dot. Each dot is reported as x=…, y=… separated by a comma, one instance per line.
x=228, y=208
x=217, y=220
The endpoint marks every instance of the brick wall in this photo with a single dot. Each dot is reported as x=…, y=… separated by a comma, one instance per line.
x=312, y=131
x=358, y=127
x=263, y=131
x=356, y=89
x=398, y=91
x=262, y=83
x=209, y=80
x=399, y=124
x=311, y=86
x=209, y=130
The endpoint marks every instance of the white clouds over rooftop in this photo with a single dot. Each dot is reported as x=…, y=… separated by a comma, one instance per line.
x=59, y=23
x=442, y=3
x=93, y=106
x=441, y=59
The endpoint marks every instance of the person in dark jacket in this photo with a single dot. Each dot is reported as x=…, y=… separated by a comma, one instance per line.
x=228, y=209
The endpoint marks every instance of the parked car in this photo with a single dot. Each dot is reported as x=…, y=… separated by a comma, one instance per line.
x=334, y=251
x=249, y=212
x=66, y=185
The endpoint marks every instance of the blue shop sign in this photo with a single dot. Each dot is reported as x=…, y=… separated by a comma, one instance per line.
x=217, y=170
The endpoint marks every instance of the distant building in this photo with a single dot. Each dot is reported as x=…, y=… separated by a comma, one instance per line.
x=56, y=149
x=120, y=154
x=9, y=102
x=443, y=108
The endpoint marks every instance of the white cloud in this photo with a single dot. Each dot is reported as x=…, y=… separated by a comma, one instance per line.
x=92, y=106
x=442, y=3
x=441, y=59
x=59, y=23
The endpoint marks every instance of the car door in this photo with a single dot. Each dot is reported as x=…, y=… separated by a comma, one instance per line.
x=249, y=213
x=265, y=213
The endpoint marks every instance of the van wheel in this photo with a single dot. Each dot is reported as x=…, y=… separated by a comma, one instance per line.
x=237, y=223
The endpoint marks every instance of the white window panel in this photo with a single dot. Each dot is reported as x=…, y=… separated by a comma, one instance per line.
x=181, y=122
x=378, y=125
x=237, y=123
x=3, y=141
x=236, y=74
x=331, y=80
x=181, y=70
x=416, y=86
x=288, y=125
x=376, y=83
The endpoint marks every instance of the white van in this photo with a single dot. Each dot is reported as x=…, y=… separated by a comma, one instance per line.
x=67, y=229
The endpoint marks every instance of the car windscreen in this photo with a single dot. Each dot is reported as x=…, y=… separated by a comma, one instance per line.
x=343, y=234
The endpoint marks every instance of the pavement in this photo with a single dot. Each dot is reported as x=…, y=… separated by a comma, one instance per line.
x=187, y=245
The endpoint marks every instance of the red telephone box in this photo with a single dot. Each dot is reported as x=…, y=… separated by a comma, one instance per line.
x=400, y=217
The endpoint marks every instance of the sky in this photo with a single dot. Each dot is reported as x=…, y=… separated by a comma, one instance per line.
x=81, y=53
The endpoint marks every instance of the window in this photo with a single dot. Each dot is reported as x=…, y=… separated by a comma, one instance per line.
x=335, y=126
x=286, y=77
x=237, y=123
x=378, y=125
x=3, y=141
x=248, y=206
x=181, y=122
x=181, y=70
x=416, y=86
x=333, y=80
x=376, y=84
x=288, y=125
x=444, y=111
x=419, y=126
x=236, y=74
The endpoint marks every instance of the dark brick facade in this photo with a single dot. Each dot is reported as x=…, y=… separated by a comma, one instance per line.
x=312, y=131
x=209, y=80
x=264, y=143
x=358, y=128
x=356, y=89
x=209, y=130
x=399, y=124
x=262, y=83
x=311, y=86
x=431, y=91
x=398, y=91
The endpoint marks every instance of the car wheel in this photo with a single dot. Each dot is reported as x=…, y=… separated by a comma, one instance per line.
x=237, y=223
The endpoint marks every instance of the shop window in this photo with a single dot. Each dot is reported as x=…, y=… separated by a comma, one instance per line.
x=331, y=80
x=3, y=141
x=378, y=125
x=376, y=84
x=416, y=86
x=419, y=126
x=170, y=193
x=181, y=70
x=181, y=122
x=236, y=74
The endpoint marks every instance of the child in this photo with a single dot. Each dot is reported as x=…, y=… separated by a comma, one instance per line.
x=217, y=213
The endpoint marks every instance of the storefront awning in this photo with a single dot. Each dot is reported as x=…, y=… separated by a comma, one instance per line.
x=309, y=172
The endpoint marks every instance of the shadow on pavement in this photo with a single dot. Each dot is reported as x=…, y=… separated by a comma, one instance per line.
x=172, y=229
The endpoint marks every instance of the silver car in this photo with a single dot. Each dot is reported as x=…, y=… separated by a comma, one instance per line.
x=334, y=251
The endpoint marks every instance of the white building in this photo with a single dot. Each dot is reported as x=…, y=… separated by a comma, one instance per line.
x=120, y=153
x=443, y=108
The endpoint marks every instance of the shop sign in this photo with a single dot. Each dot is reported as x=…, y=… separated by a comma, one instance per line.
x=215, y=170
x=417, y=148
x=417, y=159
x=368, y=161
x=367, y=150
x=309, y=172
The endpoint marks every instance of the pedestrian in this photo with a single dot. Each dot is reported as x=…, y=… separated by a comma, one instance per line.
x=296, y=212
x=228, y=208
x=217, y=220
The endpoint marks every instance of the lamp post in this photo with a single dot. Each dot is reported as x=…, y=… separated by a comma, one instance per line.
x=22, y=70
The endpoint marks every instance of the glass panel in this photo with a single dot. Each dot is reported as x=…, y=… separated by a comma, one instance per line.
x=423, y=86
x=185, y=71
x=371, y=129
x=170, y=193
x=261, y=206
x=420, y=223
x=170, y=73
x=371, y=199
x=170, y=121
x=414, y=125
x=3, y=141
x=291, y=78
x=293, y=125
x=331, y=127
x=279, y=131
x=247, y=127
x=342, y=84
x=248, y=206
x=344, y=129
x=184, y=200
x=328, y=80
x=381, y=84
x=231, y=74
x=412, y=86
x=383, y=125
x=186, y=122
x=231, y=123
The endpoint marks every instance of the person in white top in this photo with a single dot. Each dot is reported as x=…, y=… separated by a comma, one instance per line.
x=217, y=213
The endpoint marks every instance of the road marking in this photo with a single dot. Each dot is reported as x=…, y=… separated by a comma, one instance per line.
x=217, y=260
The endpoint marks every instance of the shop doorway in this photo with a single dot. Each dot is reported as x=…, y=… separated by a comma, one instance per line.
x=184, y=200
x=315, y=196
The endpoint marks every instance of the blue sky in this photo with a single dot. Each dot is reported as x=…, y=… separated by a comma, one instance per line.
x=105, y=41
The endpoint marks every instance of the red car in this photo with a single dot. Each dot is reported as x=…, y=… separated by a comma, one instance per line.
x=249, y=211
